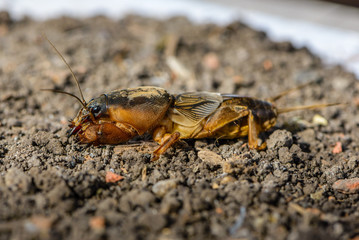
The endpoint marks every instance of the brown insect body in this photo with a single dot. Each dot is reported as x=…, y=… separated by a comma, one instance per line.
x=123, y=114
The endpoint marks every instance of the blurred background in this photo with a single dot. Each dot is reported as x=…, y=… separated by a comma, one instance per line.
x=329, y=29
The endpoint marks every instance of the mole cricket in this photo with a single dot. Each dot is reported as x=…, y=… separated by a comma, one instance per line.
x=120, y=115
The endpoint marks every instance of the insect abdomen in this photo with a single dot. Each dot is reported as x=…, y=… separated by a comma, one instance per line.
x=265, y=113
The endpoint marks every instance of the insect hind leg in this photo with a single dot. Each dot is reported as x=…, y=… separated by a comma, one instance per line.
x=253, y=132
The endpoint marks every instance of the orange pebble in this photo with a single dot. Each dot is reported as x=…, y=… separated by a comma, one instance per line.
x=211, y=61
x=338, y=148
x=267, y=65
x=347, y=185
x=113, y=177
x=97, y=223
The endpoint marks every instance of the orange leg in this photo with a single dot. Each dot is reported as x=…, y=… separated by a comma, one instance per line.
x=253, y=132
x=168, y=142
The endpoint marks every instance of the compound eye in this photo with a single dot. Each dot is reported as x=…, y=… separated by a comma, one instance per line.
x=95, y=110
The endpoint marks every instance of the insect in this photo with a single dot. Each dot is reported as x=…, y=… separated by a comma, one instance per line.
x=120, y=115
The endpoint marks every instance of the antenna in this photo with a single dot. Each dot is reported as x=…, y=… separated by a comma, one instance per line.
x=72, y=73
x=282, y=94
x=316, y=106
x=70, y=94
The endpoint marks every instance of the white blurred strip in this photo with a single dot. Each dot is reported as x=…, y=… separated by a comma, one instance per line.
x=334, y=46
x=197, y=11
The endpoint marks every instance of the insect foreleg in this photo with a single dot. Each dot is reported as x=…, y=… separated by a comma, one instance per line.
x=107, y=132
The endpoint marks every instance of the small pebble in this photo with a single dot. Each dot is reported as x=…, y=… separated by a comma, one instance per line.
x=227, y=179
x=347, y=185
x=338, y=148
x=317, y=195
x=210, y=157
x=38, y=224
x=219, y=210
x=280, y=138
x=215, y=186
x=211, y=61
x=113, y=177
x=267, y=65
x=307, y=136
x=97, y=223
x=227, y=168
x=285, y=156
x=164, y=186
x=334, y=172
x=319, y=120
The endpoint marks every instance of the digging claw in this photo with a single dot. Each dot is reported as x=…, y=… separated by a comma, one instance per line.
x=74, y=130
x=155, y=157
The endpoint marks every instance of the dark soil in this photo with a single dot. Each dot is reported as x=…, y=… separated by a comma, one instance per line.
x=53, y=187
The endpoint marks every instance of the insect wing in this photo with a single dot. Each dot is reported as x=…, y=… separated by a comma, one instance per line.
x=197, y=105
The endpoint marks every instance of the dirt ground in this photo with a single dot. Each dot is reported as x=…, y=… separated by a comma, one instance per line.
x=53, y=187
